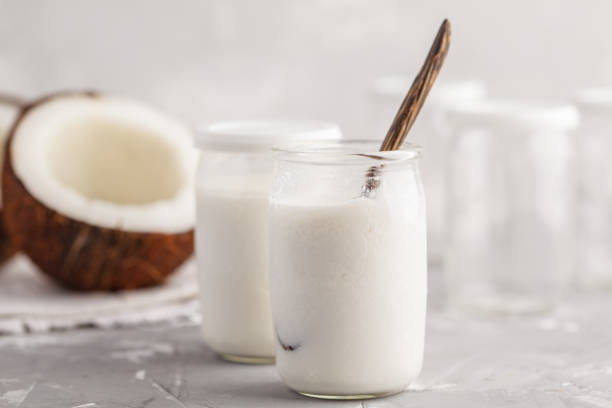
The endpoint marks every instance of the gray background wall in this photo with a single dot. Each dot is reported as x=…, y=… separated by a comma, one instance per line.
x=219, y=59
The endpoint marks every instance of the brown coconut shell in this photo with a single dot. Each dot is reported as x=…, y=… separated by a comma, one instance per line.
x=78, y=255
x=7, y=249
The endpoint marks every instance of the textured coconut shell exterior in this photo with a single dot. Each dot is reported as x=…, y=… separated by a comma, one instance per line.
x=81, y=256
x=7, y=248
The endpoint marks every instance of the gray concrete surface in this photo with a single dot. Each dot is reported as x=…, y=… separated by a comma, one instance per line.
x=560, y=360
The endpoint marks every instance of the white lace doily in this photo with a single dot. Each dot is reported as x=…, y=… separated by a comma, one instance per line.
x=31, y=302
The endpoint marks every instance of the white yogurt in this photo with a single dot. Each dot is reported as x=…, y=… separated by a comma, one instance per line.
x=232, y=253
x=233, y=184
x=349, y=287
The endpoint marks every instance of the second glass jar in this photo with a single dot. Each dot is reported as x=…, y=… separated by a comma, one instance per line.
x=232, y=187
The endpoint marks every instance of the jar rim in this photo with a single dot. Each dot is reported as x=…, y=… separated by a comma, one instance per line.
x=594, y=98
x=261, y=135
x=345, y=152
x=445, y=92
x=515, y=114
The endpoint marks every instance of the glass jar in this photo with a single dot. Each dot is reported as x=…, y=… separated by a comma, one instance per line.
x=510, y=206
x=595, y=189
x=232, y=186
x=431, y=132
x=348, y=268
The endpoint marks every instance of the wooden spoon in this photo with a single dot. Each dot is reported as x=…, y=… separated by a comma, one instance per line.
x=414, y=100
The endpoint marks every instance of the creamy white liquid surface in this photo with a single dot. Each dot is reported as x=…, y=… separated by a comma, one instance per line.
x=232, y=256
x=349, y=288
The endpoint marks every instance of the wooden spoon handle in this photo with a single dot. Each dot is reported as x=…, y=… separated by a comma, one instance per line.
x=410, y=108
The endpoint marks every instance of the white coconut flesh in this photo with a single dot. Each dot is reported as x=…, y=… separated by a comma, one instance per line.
x=107, y=162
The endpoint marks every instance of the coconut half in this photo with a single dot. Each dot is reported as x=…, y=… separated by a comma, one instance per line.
x=98, y=191
x=9, y=108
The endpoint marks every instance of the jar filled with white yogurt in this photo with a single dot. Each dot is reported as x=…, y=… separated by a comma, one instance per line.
x=232, y=187
x=348, y=268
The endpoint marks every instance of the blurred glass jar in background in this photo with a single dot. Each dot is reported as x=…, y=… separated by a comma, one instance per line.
x=429, y=131
x=594, y=165
x=232, y=186
x=510, y=206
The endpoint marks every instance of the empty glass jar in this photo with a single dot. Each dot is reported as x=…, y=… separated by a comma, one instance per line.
x=595, y=188
x=430, y=132
x=510, y=206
